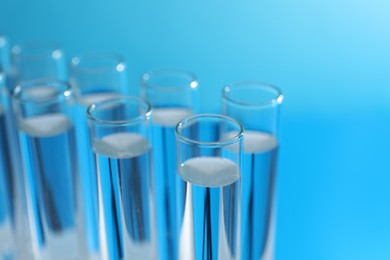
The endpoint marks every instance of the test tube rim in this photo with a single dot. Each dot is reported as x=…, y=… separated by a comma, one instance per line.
x=192, y=83
x=50, y=48
x=277, y=100
x=134, y=120
x=215, y=144
x=66, y=92
x=118, y=59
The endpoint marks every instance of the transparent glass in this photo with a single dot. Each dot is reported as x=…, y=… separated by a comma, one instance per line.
x=97, y=73
x=208, y=187
x=28, y=61
x=4, y=54
x=14, y=237
x=121, y=134
x=256, y=105
x=34, y=60
x=173, y=95
x=94, y=77
x=7, y=187
x=44, y=116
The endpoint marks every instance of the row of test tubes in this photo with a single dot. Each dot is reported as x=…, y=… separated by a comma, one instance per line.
x=89, y=172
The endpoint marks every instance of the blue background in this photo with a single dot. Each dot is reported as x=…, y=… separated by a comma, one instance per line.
x=332, y=61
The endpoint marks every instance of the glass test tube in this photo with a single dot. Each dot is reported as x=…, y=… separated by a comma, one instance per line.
x=121, y=134
x=44, y=114
x=4, y=54
x=94, y=77
x=208, y=187
x=6, y=168
x=256, y=106
x=173, y=95
x=29, y=61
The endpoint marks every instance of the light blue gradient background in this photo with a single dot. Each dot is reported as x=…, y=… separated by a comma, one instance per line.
x=330, y=58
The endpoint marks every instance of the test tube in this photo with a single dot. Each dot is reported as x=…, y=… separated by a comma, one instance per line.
x=173, y=95
x=94, y=77
x=6, y=186
x=4, y=54
x=29, y=61
x=256, y=105
x=44, y=115
x=6, y=168
x=121, y=134
x=208, y=187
